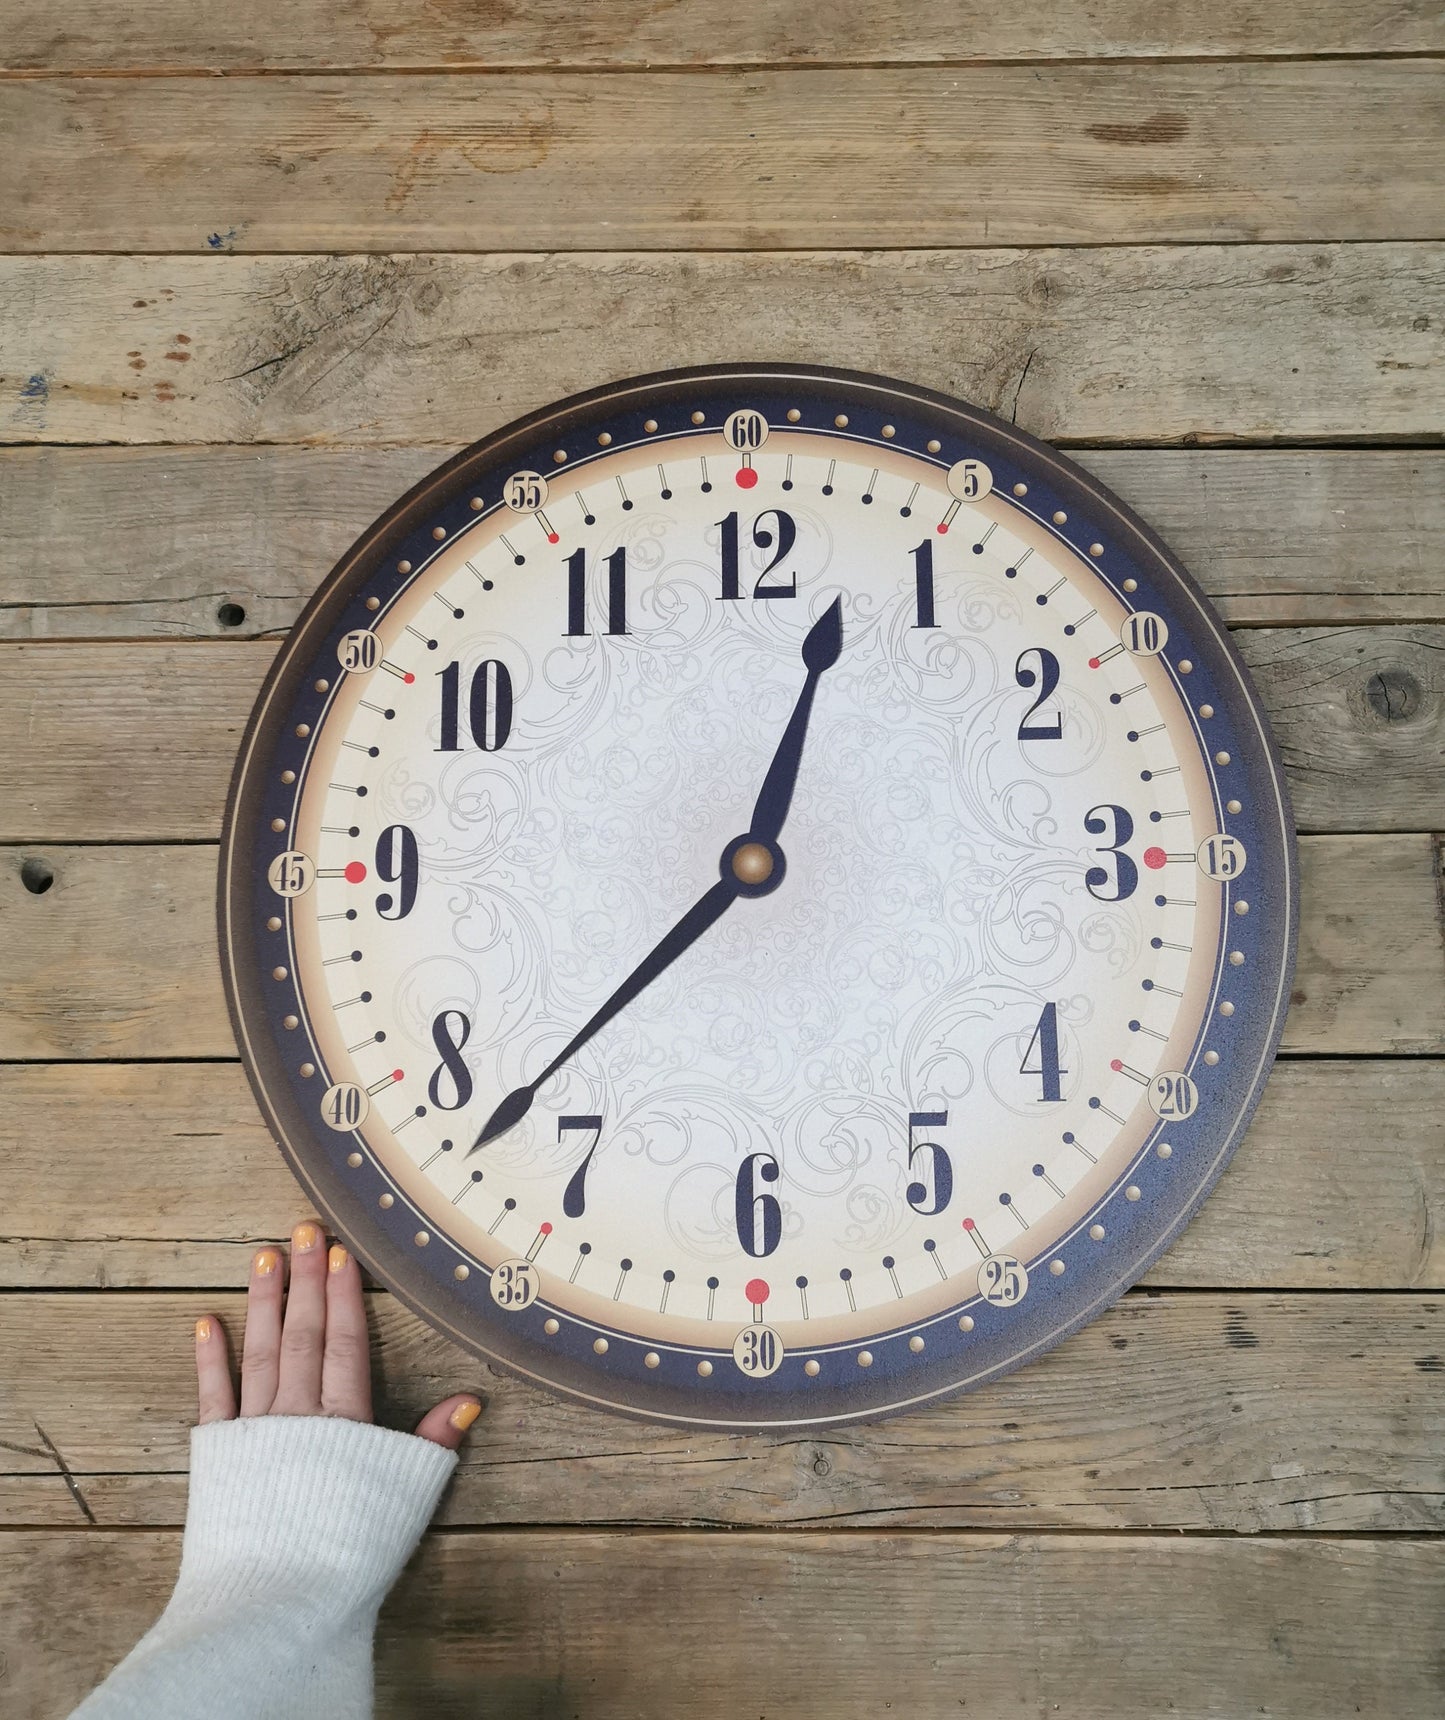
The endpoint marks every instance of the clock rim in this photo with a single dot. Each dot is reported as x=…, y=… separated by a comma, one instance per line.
x=387, y=1261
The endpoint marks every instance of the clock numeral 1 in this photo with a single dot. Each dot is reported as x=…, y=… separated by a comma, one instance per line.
x=1046, y=1040
x=759, y=1216
x=574, y=1197
x=923, y=577
x=577, y=592
x=933, y=1189
x=763, y=538
x=489, y=706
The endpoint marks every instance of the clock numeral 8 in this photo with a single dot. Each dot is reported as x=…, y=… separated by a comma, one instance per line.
x=759, y=1216
x=758, y=1351
x=451, y=1061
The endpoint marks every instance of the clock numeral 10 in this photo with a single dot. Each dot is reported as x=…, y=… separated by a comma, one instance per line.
x=577, y=593
x=763, y=538
x=489, y=706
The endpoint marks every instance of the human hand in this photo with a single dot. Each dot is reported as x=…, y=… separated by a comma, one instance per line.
x=315, y=1357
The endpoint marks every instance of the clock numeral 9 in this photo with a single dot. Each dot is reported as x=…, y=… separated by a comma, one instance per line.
x=489, y=706
x=1046, y=1042
x=397, y=862
x=759, y=1216
x=787, y=535
x=933, y=1190
x=1098, y=822
x=1047, y=678
x=450, y=1050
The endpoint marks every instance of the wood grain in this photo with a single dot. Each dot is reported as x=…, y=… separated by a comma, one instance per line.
x=137, y=740
x=1260, y=150
x=1275, y=538
x=1113, y=344
x=93, y=36
x=204, y=1185
x=117, y=958
x=1237, y=1412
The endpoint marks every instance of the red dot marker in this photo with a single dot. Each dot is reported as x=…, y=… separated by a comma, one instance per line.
x=747, y=477
x=757, y=1291
x=553, y=538
x=968, y=1224
x=943, y=528
x=356, y=873
x=1154, y=858
x=408, y=678
x=1093, y=662
x=1116, y=1064
x=546, y=1229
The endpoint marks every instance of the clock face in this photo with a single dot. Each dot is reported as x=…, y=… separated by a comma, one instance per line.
x=758, y=897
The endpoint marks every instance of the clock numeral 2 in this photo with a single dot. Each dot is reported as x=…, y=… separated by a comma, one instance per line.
x=787, y=535
x=577, y=593
x=489, y=706
x=759, y=1216
x=1047, y=679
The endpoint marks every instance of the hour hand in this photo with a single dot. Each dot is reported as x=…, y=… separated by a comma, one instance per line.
x=821, y=650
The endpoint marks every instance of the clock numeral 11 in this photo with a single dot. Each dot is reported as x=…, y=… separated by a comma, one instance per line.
x=577, y=593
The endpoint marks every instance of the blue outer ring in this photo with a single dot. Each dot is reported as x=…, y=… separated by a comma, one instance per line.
x=1094, y=1275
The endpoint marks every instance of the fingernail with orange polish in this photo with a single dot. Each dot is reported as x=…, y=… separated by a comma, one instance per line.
x=304, y=1238
x=266, y=1262
x=464, y=1415
x=337, y=1257
x=203, y=1331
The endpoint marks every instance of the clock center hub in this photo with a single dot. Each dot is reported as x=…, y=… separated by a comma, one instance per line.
x=752, y=864
x=752, y=867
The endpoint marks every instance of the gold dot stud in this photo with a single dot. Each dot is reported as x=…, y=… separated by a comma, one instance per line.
x=752, y=864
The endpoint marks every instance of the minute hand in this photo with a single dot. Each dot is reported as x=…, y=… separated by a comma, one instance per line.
x=821, y=650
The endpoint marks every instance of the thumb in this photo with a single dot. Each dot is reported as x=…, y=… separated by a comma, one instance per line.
x=451, y=1418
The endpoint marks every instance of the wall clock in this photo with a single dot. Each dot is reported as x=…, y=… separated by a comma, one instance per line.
x=758, y=897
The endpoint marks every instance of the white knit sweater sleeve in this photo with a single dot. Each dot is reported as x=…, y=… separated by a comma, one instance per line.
x=297, y=1527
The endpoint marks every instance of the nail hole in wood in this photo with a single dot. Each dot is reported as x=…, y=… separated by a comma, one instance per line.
x=230, y=615
x=37, y=876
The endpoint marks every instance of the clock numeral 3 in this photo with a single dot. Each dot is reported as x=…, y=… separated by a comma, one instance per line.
x=763, y=536
x=1098, y=821
x=933, y=1190
x=397, y=862
x=759, y=1216
x=450, y=1049
x=489, y=706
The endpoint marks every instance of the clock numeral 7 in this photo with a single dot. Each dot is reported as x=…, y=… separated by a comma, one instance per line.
x=787, y=535
x=933, y=1190
x=574, y=1198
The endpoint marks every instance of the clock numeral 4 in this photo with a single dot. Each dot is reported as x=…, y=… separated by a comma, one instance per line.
x=1045, y=1042
x=764, y=538
x=489, y=706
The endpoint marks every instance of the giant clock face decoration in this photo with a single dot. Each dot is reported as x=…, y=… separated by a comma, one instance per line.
x=758, y=897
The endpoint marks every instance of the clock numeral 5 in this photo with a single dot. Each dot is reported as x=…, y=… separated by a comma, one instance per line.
x=759, y=1216
x=933, y=1190
x=489, y=706
x=787, y=534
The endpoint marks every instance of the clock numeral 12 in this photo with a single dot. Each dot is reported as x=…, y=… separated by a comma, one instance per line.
x=577, y=592
x=763, y=538
x=489, y=706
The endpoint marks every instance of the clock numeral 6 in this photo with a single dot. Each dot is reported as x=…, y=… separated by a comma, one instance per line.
x=758, y=1351
x=759, y=1216
x=292, y=873
x=1222, y=857
x=1144, y=634
x=1125, y=879
x=397, y=862
x=449, y=1043
x=358, y=651
x=745, y=430
x=515, y=1285
x=489, y=706
x=1173, y=1096
x=1003, y=1280
x=345, y=1106
x=933, y=1190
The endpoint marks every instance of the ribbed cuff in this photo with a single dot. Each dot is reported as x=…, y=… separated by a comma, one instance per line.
x=336, y=1506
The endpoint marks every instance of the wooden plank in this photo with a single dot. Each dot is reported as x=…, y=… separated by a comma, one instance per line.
x=136, y=741
x=1276, y=538
x=1258, y=150
x=1112, y=344
x=313, y=36
x=116, y=958
x=1235, y=1412
x=836, y=1627
x=204, y=1185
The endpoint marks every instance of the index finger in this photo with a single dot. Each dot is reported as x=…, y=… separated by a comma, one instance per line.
x=346, y=1361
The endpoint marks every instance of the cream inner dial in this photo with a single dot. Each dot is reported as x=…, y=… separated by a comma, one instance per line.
x=934, y=904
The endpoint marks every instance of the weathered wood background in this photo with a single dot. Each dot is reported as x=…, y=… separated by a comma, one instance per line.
x=260, y=268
